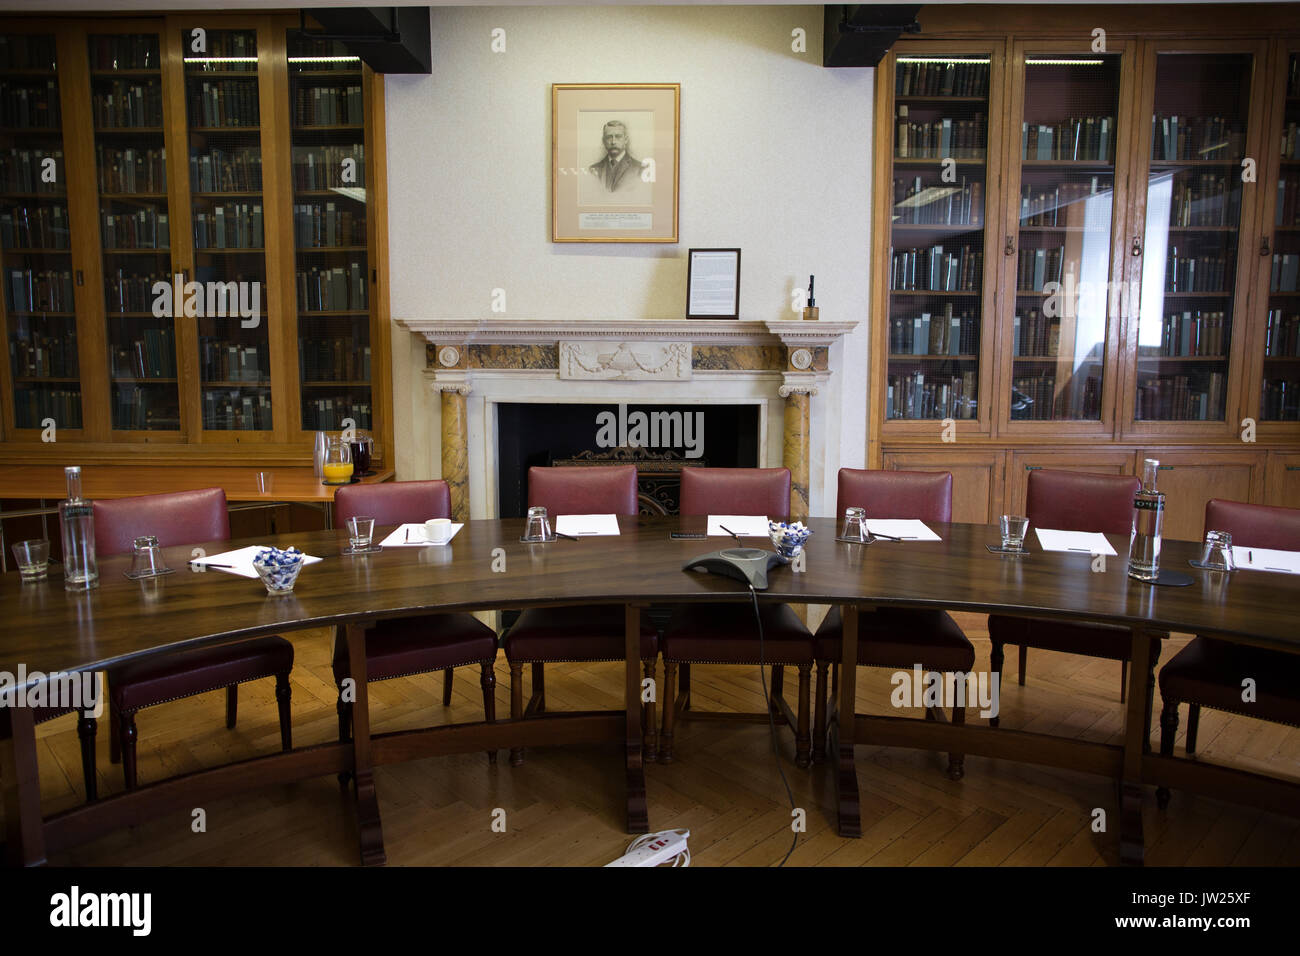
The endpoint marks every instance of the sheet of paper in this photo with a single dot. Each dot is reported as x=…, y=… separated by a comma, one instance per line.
x=909, y=529
x=1266, y=559
x=413, y=536
x=1090, y=542
x=241, y=561
x=583, y=525
x=747, y=526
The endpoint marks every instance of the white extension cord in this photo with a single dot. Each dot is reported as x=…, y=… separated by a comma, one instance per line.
x=655, y=849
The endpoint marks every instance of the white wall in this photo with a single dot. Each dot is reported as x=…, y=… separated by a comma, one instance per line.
x=775, y=159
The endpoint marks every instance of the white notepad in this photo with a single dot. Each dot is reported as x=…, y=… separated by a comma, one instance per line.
x=909, y=529
x=747, y=526
x=413, y=536
x=241, y=561
x=1090, y=542
x=1266, y=559
x=581, y=526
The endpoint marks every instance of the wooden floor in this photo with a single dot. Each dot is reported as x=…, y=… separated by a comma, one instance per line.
x=564, y=806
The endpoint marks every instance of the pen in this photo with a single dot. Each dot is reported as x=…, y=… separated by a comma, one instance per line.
x=730, y=532
x=886, y=537
x=1084, y=550
x=197, y=565
x=561, y=534
x=408, y=535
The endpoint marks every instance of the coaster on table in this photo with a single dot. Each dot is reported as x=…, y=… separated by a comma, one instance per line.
x=1016, y=551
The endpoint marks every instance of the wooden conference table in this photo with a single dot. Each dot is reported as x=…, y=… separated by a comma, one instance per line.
x=48, y=629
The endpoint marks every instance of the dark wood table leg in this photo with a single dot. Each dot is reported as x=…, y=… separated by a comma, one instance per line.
x=1137, y=734
x=22, y=786
x=638, y=816
x=369, y=827
x=849, y=822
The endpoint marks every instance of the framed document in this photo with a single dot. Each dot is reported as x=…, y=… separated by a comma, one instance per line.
x=614, y=162
x=713, y=284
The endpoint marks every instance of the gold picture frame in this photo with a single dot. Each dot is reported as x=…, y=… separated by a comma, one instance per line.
x=614, y=161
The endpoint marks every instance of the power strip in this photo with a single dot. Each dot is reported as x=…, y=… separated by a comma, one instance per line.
x=655, y=849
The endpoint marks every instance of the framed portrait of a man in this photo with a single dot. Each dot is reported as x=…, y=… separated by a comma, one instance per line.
x=614, y=162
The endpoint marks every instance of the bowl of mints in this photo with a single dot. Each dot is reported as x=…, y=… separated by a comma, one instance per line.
x=788, y=538
x=278, y=568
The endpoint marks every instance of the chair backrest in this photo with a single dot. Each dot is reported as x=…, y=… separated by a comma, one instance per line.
x=393, y=502
x=182, y=517
x=729, y=491
x=1076, y=501
x=926, y=495
x=1255, y=526
x=579, y=490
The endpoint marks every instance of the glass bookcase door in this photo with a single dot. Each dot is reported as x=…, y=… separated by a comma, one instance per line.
x=331, y=261
x=1280, y=392
x=1194, y=190
x=126, y=90
x=937, y=248
x=1063, y=228
x=35, y=246
x=228, y=222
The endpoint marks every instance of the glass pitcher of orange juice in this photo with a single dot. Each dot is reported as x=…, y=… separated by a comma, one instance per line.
x=338, y=462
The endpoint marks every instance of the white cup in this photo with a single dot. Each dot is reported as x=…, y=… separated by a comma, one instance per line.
x=437, y=530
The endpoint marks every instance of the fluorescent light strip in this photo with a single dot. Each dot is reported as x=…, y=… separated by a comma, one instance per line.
x=941, y=59
x=1060, y=62
x=220, y=59
x=324, y=59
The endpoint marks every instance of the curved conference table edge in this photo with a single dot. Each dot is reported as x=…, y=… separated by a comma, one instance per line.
x=418, y=581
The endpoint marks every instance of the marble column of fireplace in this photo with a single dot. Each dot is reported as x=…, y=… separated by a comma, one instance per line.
x=785, y=367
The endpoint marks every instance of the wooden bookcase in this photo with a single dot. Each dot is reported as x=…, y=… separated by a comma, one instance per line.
x=242, y=153
x=1148, y=179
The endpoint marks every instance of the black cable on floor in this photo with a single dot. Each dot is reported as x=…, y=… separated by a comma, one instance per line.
x=771, y=722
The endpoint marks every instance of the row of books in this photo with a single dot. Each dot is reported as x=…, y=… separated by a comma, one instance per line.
x=227, y=50
x=142, y=408
x=27, y=52
x=222, y=360
x=126, y=104
x=1280, y=400
x=927, y=334
x=327, y=414
x=1192, y=333
x=1196, y=137
x=131, y=170
x=937, y=269
x=945, y=138
x=1042, y=207
x=34, y=404
x=1037, y=267
x=947, y=204
x=130, y=291
x=1288, y=199
x=34, y=226
x=226, y=170
x=333, y=360
x=321, y=167
x=1205, y=200
x=1035, y=335
x=152, y=354
x=40, y=290
x=30, y=104
x=941, y=79
x=24, y=171
x=231, y=225
x=1034, y=398
x=146, y=228
x=1180, y=398
x=323, y=224
x=1286, y=272
x=1195, y=273
x=236, y=411
x=1291, y=140
x=228, y=103
x=1078, y=138
x=39, y=355
x=1282, y=335
x=124, y=51
x=940, y=396
x=332, y=289
x=327, y=105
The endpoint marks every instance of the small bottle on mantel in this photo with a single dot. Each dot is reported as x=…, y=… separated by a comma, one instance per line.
x=77, y=519
x=1148, y=516
x=810, y=310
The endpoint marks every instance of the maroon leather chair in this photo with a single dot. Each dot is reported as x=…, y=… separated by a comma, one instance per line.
x=726, y=633
x=187, y=517
x=414, y=645
x=553, y=635
x=1070, y=501
x=894, y=638
x=1209, y=672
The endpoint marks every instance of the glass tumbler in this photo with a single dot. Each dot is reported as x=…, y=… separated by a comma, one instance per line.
x=33, y=558
x=538, y=527
x=146, y=557
x=1217, y=553
x=360, y=532
x=855, y=524
x=1013, y=529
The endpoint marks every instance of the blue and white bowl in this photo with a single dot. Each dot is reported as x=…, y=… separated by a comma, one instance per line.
x=788, y=539
x=278, y=569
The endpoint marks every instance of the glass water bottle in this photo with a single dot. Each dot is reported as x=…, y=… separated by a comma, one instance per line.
x=77, y=519
x=1148, y=517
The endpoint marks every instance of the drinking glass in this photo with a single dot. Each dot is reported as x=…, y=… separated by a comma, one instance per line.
x=33, y=558
x=338, y=462
x=1217, y=553
x=538, y=527
x=146, y=558
x=360, y=532
x=855, y=524
x=1013, y=532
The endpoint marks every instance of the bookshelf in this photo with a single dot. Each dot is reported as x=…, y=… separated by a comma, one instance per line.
x=1280, y=387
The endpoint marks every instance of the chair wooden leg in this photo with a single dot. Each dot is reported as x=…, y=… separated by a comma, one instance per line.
x=1193, y=725
x=282, y=704
x=670, y=711
x=446, y=687
x=957, y=762
x=1168, y=730
x=649, y=737
x=778, y=686
x=516, y=706
x=1024, y=664
x=1123, y=680
x=996, y=657
x=488, y=681
x=86, y=728
x=801, y=737
x=232, y=706
x=684, y=685
x=127, y=722
x=819, y=713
